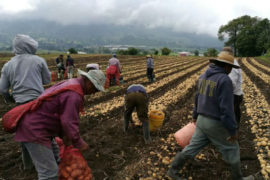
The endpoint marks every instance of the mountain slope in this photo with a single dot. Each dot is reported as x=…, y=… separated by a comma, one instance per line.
x=55, y=36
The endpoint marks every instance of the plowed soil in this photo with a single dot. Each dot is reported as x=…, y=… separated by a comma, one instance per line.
x=116, y=155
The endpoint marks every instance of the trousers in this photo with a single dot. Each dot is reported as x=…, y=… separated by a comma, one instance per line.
x=210, y=131
x=43, y=158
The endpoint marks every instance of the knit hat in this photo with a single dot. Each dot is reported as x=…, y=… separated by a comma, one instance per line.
x=97, y=77
x=225, y=57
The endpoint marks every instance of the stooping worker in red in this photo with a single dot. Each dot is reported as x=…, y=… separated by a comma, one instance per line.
x=113, y=71
x=56, y=113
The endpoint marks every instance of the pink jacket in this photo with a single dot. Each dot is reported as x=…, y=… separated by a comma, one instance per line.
x=57, y=116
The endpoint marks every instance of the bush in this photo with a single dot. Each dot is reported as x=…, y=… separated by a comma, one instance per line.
x=132, y=51
x=72, y=51
x=211, y=52
x=196, y=53
x=165, y=51
x=268, y=53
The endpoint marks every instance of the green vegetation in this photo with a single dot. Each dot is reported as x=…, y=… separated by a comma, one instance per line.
x=266, y=57
x=211, y=52
x=196, y=53
x=165, y=51
x=249, y=36
x=135, y=51
x=73, y=51
x=129, y=51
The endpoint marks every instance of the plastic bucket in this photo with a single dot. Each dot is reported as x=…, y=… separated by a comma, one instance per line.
x=156, y=119
x=53, y=76
x=184, y=135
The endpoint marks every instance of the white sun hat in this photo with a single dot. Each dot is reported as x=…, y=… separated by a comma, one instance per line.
x=97, y=77
x=93, y=65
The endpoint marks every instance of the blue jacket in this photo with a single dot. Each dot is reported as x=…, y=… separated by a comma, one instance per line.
x=136, y=88
x=150, y=63
x=214, y=97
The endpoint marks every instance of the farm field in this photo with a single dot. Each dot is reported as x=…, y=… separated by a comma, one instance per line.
x=119, y=156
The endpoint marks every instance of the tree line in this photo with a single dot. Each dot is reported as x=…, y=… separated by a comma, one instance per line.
x=249, y=36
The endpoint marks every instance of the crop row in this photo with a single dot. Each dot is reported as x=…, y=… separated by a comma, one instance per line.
x=263, y=76
x=83, y=67
x=267, y=64
x=258, y=110
x=102, y=108
x=103, y=63
x=82, y=62
x=261, y=79
x=259, y=66
x=141, y=78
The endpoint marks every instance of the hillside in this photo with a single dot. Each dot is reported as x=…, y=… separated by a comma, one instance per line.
x=53, y=36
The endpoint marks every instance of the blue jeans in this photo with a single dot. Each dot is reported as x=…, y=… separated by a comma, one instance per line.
x=44, y=159
x=210, y=130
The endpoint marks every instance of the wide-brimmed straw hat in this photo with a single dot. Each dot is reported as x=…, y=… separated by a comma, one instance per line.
x=225, y=57
x=97, y=77
x=148, y=56
x=228, y=49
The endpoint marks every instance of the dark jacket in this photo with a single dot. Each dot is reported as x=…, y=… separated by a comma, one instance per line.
x=59, y=60
x=70, y=62
x=214, y=97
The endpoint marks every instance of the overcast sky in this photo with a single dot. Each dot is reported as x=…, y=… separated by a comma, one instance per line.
x=199, y=16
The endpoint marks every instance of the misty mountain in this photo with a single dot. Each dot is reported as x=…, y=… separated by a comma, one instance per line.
x=54, y=36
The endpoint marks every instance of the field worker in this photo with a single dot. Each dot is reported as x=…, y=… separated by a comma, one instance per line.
x=60, y=66
x=113, y=71
x=56, y=113
x=150, y=68
x=236, y=77
x=136, y=97
x=214, y=116
x=92, y=66
x=70, y=66
x=25, y=73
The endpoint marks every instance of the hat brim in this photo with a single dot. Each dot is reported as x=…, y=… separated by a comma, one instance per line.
x=224, y=61
x=98, y=87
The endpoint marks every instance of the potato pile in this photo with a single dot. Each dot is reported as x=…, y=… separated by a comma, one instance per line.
x=73, y=166
x=259, y=114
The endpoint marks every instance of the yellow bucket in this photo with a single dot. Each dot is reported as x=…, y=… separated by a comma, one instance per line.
x=155, y=120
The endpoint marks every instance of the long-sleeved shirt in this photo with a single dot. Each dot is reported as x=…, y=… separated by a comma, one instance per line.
x=150, y=63
x=70, y=62
x=136, y=88
x=55, y=117
x=25, y=73
x=214, y=97
x=236, y=78
x=115, y=62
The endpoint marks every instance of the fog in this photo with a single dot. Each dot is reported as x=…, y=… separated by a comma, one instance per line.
x=194, y=16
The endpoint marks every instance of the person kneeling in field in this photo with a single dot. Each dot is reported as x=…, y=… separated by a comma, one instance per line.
x=56, y=113
x=136, y=96
x=214, y=116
